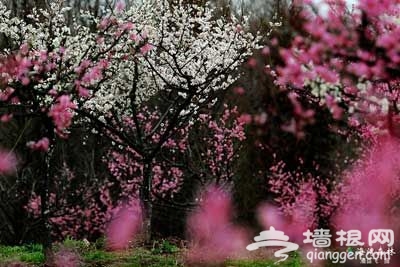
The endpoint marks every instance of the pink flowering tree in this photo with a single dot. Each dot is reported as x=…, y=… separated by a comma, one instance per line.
x=295, y=151
x=347, y=61
x=304, y=198
x=93, y=208
x=181, y=155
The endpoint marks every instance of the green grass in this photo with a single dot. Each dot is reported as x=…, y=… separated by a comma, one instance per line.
x=164, y=255
x=32, y=254
x=294, y=260
x=32, y=257
x=79, y=245
x=143, y=257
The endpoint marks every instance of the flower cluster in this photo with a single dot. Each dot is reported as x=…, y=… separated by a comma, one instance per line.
x=348, y=60
x=61, y=113
x=306, y=199
x=60, y=67
x=184, y=51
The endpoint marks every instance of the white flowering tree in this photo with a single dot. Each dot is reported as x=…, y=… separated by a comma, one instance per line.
x=189, y=59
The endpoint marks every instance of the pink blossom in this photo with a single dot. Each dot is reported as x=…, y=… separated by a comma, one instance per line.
x=104, y=23
x=8, y=162
x=24, y=49
x=6, y=117
x=269, y=215
x=40, y=145
x=134, y=37
x=95, y=73
x=127, y=26
x=125, y=224
x=239, y=90
x=302, y=198
x=260, y=119
x=62, y=113
x=33, y=206
x=83, y=92
x=265, y=51
x=245, y=119
x=213, y=238
x=252, y=62
x=331, y=48
x=120, y=6
x=146, y=48
x=376, y=7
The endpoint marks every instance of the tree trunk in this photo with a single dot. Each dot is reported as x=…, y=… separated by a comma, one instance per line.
x=145, y=197
x=47, y=174
x=45, y=223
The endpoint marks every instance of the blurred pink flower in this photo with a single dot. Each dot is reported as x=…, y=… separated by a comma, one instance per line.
x=371, y=190
x=245, y=118
x=265, y=51
x=62, y=113
x=213, y=237
x=261, y=118
x=67, y=258
x=252, y=63
x=146, y=48
x=8, y=162
x=41, y=145
x=125, y=224
x=6, y=118
x=269, y=215
x=120, y=6
x=294, y=227
x=239, y=90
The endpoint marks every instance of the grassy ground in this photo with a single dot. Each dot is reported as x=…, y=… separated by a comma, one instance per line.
x=163, y=254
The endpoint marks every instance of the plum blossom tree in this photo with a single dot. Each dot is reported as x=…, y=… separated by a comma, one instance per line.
x=190, y=59
x=173, y=57
x=91, y=208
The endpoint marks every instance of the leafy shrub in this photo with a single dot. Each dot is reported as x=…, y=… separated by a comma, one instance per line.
x=164, y=247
